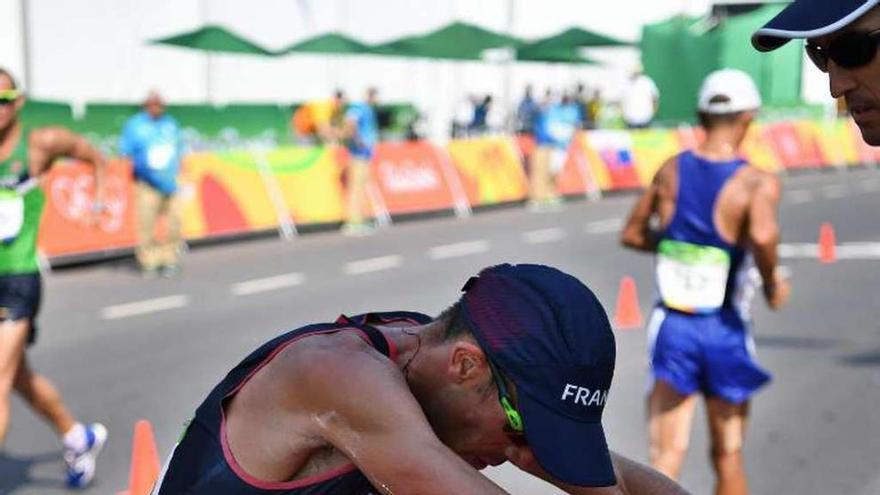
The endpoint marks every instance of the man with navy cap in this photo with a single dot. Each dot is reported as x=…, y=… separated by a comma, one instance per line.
x=519, y=369
x=842, y=39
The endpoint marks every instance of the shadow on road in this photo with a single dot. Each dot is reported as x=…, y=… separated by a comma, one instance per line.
x=868, y=358
x=795, y=343
x=15, y=472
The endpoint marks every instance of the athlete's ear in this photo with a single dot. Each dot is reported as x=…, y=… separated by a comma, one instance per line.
x=467, y=362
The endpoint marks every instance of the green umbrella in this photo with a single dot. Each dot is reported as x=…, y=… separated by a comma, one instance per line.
x=555, y=55
x=457, y=41
x=574, y=38
x=327, y=43
x=213, y=39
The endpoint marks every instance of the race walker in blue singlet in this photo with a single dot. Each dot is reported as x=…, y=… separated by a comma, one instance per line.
x=699, y=333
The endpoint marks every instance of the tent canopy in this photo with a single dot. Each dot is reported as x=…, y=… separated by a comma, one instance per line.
x=555, y=55
x=328, y=43
x=565, y=47
x=456, y=41
x=574, y=37
x=214, y=39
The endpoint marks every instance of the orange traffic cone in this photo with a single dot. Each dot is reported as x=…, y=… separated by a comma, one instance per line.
x=827, y=243
x=144, y=460
x=627, y=315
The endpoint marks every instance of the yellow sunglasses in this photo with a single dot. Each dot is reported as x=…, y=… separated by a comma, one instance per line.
x=9, y=95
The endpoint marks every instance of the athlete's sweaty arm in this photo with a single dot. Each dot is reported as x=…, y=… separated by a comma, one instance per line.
x=632, y=477
x=364, y=408
x=763, y=235
x=637, y=233
x=50, y=143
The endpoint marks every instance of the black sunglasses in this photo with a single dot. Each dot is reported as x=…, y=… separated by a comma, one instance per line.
x=849, y=50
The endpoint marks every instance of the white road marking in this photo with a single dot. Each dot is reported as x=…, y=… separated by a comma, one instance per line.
x=798, y=196
x=834, y=191
x=144, y=307
x=269, y=283
x=458, y=249
x=605, y=226
x=870, y=185
x=370, y=265
x=845, y=251
x=542, y=236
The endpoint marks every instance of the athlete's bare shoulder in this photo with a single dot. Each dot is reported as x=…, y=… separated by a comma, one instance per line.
x=333, y=357
x=668, y=172
x=761, y=184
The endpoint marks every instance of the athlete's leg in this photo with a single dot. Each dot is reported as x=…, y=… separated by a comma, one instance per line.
x=670, y=415
x=13, y=336
x=727, y=428
x=43, y=397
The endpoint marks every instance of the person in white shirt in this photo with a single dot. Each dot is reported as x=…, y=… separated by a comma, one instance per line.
x=640, y=101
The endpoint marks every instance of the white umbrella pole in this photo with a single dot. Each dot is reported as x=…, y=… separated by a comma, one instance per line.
x=25, y=47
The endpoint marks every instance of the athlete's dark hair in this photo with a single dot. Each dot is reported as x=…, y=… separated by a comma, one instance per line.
x=454, y=324
x=4, y=72
x=710, y=121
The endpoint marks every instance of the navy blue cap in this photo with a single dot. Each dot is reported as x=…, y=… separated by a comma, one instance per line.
x=809, y=19
x=549, y=334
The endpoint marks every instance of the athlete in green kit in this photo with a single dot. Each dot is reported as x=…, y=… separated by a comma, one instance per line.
x=24, y=157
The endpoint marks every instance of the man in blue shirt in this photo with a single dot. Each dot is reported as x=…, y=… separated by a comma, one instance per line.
x=554, y=131
x=527, y=113
x=361, y=133
x=152, y=140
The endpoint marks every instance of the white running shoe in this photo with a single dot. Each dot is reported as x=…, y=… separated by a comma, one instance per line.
x=81, y=464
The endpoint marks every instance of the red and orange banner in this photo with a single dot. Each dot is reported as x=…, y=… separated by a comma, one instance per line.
x=256, y=189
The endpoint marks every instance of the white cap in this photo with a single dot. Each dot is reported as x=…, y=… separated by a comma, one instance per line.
x=736, y=85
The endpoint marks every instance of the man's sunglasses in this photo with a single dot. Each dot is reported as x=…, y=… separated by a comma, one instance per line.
x=849, y=50
x=9, y=96
x=514, y=419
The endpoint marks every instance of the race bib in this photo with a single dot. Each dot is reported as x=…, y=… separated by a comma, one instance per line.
x=159, y=156
x=692, y=278
x=11, y=215
x=561, y=132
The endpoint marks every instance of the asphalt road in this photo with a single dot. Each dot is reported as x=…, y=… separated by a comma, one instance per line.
x=122, y=348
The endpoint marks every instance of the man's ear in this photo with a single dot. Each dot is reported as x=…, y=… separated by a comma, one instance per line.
x=467, y=362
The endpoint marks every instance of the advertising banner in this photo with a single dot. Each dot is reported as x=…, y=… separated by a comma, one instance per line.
x=490, y=169
x=410, y=177
x=613, y=151
x=70, y=225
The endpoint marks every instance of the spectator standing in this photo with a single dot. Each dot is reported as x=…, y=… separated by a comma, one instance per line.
x=360, y=133
x=527, y=113
x=556, y=128
x=479, y=124
x=152, y=140
x=640, y=101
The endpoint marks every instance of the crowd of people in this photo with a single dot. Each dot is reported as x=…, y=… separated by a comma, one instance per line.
x=517, y=369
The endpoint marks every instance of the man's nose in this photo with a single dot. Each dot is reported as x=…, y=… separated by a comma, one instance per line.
x=841, y=80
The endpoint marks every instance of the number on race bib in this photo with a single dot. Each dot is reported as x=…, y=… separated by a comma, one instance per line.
x=11, y=215
x=692, y=278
